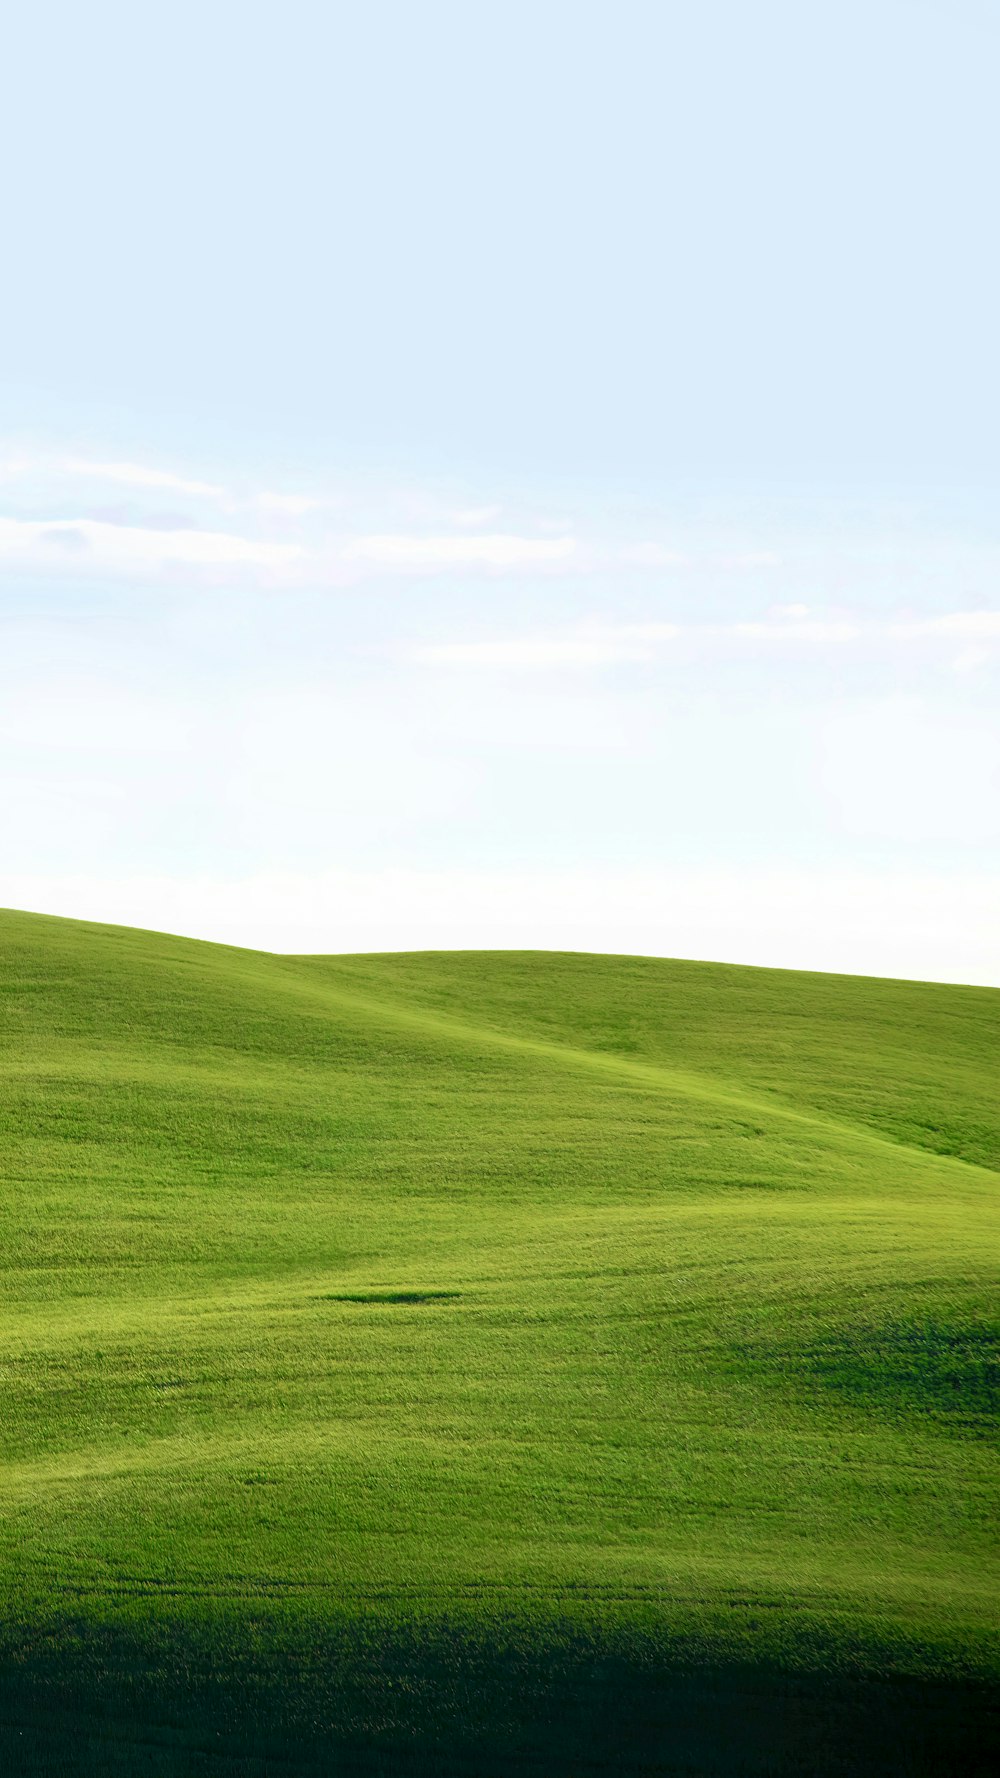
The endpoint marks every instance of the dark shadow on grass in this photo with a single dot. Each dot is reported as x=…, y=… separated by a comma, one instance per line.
x=388, y=1296
x=257, y=1695
x=947, y=1369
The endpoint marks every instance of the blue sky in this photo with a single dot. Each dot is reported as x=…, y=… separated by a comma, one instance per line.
x=523, y=475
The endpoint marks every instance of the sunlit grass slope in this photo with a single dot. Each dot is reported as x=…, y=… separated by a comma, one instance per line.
x=486, y=1364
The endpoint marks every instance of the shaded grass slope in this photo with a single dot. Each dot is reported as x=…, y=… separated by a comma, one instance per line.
x=486, y=1364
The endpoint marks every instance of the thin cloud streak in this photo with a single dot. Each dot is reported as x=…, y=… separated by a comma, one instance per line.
x=656, y=555
x=122, y=474
x=140, y=475
x=965, y=626
x=87, y=543
x=492, y=550
x=611, y=644
x=593, y=648
x=801, y=630
x=95, y=543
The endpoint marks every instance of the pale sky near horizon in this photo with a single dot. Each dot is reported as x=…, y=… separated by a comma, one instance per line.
x=523, y=475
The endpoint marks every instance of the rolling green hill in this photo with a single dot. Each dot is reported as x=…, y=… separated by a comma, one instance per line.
x=492, y=1364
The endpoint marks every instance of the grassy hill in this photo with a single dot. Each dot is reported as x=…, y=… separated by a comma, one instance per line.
x=492, y=1364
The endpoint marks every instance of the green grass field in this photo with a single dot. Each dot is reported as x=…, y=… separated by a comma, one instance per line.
x=490, y=1364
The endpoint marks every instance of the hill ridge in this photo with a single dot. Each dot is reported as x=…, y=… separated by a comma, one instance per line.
x=399, y=1376
x=681, y=1081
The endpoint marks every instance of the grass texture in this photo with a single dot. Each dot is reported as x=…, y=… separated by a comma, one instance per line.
x=486, y=1364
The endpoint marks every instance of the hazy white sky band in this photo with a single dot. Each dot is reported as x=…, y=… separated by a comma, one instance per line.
x=93, y=546
x=345, y=717
x=911, y=927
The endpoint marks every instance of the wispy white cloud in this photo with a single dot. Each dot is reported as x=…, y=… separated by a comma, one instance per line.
x=101, y=540
x=94, y=543
x=750, y=558
x=487, y=550
x=956, y=626
x=968, y=660
x=658, y=555
x=139, y=475
x=797, y=623
x=590, y=648
x=295, y=506
x=473, y=516
x=48, y=473
x=600, y=645
x=653, y=555
x=800, y=629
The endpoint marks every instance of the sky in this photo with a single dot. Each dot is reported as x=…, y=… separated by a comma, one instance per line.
x=505, y=476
